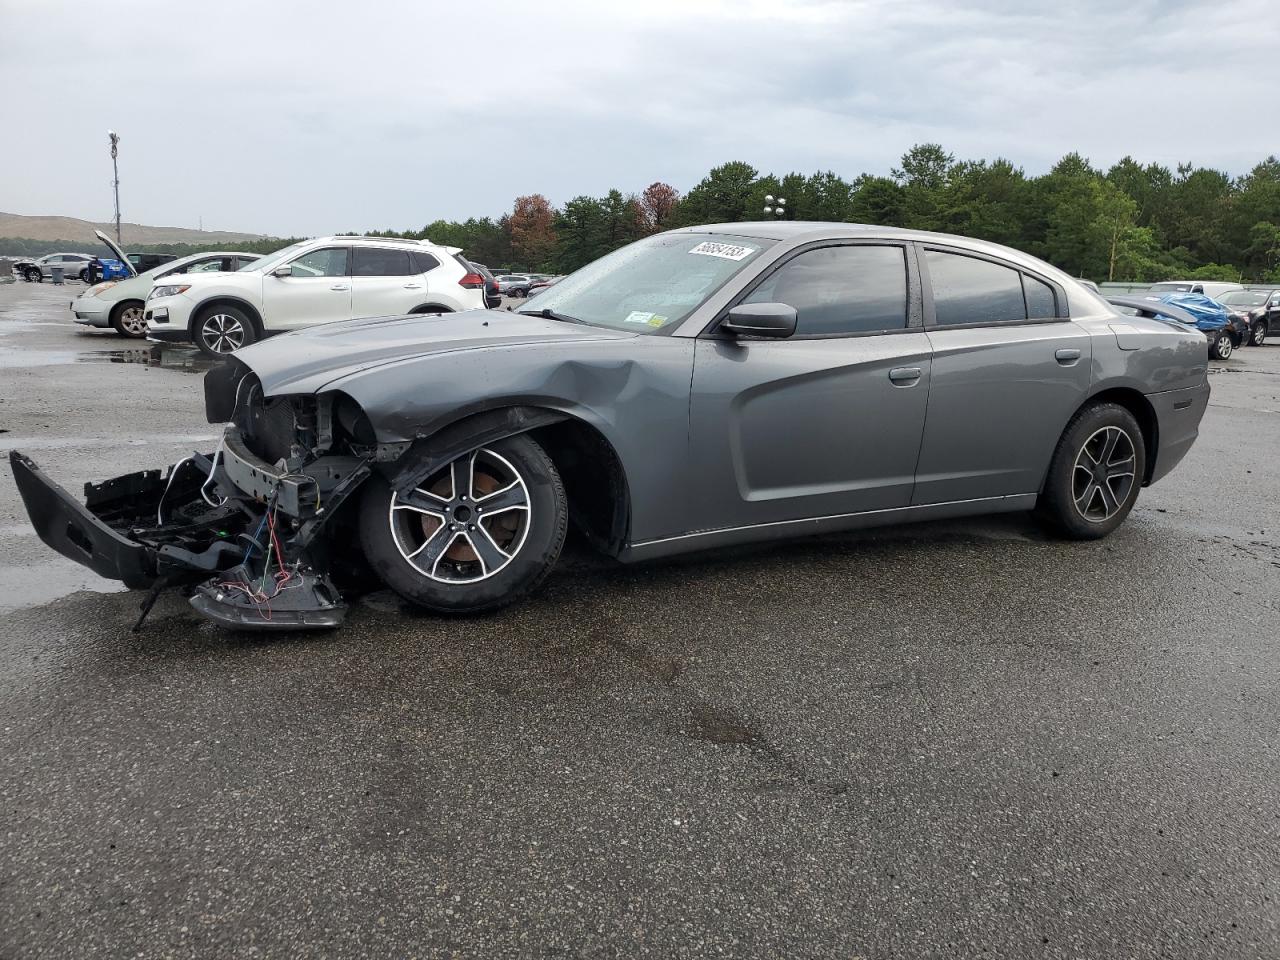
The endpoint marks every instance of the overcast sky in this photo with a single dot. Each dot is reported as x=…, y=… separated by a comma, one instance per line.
x=309, y=118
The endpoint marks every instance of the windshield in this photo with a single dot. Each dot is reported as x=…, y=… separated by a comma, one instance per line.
x=652, y=284
x=1169, y=287
x=1244, y=298
x=271, y=259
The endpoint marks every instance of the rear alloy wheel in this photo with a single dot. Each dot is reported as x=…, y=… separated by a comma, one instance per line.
x=1095, y=473
x=478, y=533
x=129, y=319
x=1258, y=335
x=221, y=330
x=1222, y=346
x=84, y=276
x=33, y=275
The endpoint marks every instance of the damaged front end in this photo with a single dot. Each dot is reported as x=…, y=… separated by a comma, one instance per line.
x=249, y=528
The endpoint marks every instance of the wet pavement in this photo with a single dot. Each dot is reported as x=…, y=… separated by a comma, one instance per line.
x=956, y=739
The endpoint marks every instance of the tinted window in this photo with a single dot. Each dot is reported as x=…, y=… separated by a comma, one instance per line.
x=1041, y=303
x=839, y=290
x=378, y=262
x=329, y=262
x=968, y=290
x=424, y=262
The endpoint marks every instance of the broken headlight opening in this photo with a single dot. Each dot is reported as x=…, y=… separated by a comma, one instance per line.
x=249, y=528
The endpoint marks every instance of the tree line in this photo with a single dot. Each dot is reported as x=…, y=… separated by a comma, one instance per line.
x=1132, y=222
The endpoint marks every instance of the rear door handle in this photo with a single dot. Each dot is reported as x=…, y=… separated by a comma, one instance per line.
x=340, y=286
x=1067, y=356
x=905, y=376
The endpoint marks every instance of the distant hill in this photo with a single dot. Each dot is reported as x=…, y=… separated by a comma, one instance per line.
x=133, y=234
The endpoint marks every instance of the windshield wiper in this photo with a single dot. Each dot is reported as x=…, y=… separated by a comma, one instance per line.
x=546, y=313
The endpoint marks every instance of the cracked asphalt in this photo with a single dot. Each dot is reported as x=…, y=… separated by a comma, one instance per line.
x=957, y=739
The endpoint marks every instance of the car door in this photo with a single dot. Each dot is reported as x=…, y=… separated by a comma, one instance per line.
x=828, y=421
x=317, y=289
x=1009, y=369
x=383, y=282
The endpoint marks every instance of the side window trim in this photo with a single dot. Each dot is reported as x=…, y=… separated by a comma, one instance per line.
x=930, y=315
x=915, y=314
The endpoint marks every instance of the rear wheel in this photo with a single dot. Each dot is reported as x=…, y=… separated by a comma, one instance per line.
x=1222, y=347
x=129, y=319
x=477, y=534
x=221, y=329
x=1095, y=473
x=84, y=276
x=1258, y=334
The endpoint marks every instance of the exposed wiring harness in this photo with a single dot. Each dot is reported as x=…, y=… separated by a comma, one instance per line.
x=259, y=593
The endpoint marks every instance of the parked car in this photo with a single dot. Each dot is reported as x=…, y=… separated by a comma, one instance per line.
x=514, y=285
x=75, y=266
x=539, y=285
x=492, y=295
x=143, y=262
x=1206, y=315
x=121, y=304
x=1259, y=309
x=312, y=282
x=1210, y=288
x=699, y=388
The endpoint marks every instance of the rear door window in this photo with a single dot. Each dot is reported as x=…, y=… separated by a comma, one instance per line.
x=1042, y=304
x=380, y=262
x=968, y=290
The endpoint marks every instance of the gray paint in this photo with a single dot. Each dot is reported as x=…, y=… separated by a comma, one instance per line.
x=724, y=440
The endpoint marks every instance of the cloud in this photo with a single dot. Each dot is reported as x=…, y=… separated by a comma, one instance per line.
x=320, y=116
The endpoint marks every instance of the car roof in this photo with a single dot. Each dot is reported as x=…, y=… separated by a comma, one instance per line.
x=800, y=231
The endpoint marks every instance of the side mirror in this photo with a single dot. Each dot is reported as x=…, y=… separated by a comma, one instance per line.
x=285, y=271
x=775, y=320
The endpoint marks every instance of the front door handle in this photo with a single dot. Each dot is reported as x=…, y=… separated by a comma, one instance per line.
x=1067, y=356
x=413, y=286
x=340, y=286
x=905, y=376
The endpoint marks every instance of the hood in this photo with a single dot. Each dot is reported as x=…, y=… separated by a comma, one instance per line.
x=120, y=254
x=305, y=361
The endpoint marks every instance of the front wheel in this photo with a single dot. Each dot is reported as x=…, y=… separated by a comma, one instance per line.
x=129, y=319
x=222, y=329
x=34, y=275
x=477, y=534
x=1222, y=346
x=1095, y=473
x=1258, y=335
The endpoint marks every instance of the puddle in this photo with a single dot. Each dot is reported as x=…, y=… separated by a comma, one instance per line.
x=40, y=583
x=168, y=356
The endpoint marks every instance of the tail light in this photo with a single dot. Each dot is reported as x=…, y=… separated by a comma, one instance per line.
x=472, y=281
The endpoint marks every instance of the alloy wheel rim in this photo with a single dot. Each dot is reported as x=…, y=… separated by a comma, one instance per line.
x=222, y=333
x=1104, y=474
x=466, y=522
x=131, y=318
x=1224, y=347
x=1259, y=335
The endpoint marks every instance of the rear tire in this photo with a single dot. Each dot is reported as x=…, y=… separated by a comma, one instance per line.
x=219, y=330
x=427, y=548
x=84, y=276
x=1095, y=473
x=128, y=318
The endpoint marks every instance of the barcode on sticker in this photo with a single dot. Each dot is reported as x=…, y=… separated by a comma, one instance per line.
x=727, y=251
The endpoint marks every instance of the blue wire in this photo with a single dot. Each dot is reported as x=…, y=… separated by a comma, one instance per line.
x=254, y=542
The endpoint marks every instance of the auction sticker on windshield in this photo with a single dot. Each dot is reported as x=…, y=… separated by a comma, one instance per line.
x=726, y=251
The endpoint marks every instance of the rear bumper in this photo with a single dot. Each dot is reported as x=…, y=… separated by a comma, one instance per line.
x=1178, y=416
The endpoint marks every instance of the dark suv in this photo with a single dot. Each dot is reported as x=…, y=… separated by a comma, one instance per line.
x=1260, y=309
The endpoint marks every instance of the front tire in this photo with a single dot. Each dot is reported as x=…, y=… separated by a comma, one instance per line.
x=220, y=330
x=34, y=275
x=1222, y=346
x=1258, y=335
x=128, y=319
x=1095, y=473
x=479, y=533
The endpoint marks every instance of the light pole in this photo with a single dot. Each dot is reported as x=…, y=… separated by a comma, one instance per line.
x=115, y=169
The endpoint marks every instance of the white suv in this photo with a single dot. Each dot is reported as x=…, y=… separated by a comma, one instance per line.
x=316, y=281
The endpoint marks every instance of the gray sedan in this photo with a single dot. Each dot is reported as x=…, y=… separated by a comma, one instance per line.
x=701, y=387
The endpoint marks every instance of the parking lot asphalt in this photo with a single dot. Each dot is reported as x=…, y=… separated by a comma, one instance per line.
x=957, y=739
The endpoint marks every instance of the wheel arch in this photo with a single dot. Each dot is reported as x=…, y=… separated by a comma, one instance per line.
x=224, y=300
x=432, y=308
x=1136, y=403
x=589, y=466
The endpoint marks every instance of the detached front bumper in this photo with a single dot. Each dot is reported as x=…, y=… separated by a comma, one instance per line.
x=242, y=532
